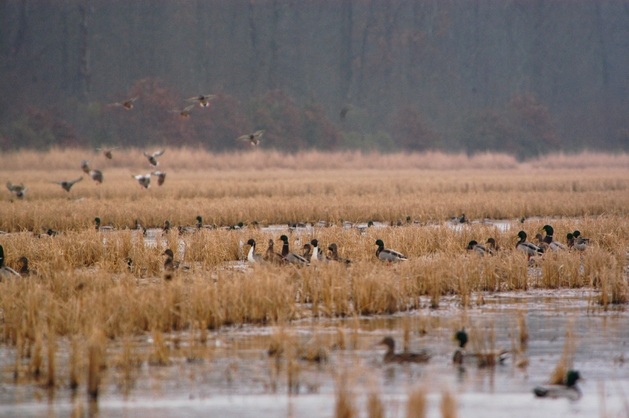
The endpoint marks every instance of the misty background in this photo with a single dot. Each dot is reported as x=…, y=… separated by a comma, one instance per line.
x=517, y=76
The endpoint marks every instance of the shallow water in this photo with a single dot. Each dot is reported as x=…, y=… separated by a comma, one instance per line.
x=237, y=378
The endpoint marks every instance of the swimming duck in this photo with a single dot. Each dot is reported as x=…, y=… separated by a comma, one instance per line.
x=153, y=157
x=17, y=189
x=85, y=166
x=406, y=357
x=185, y=112
x=291, y=257
x=567, y=389
x=252, y=257
x=386, y=254
x=97, y=176
x=254, y=138
x=143, y=179
x=272, y=256
x=5, y=271
x=491, y=246
x=459, y=353
x=580, y=243
x=548, y=239
x=528, y=248
x=107, y=152
x=203, y=99
x=334, y=254
x=478, y=248
x=102, y=228
x=127, y=104
x=161, y=177
x=484, y=359
x=67, y=185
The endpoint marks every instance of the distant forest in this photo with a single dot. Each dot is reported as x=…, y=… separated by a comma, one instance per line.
x=518, y=76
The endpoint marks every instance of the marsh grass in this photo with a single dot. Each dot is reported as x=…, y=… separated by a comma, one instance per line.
x=448, y=405
x=417, y=403
x=566, y=361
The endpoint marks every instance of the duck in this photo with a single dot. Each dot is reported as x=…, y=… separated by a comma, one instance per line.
x=548, y=239
x=107, y=152
x=6, y=271
x=97, y=176
x=252, y=257
x=166, y=226
x=17, y=189
x=161, y=177
x=459, y=353
x=307, y=249
x=405, y=357
x=170, y=265
x=203, y=99
x=540, y=242
x=476, y=247
x=334, y=254
x=104, y=227
x=459, y=220
x=153, y=157
x=24, y=270
x=491, y=246
x=139, y=227
x=316, y=254
x=67, y=185
x=143, y=179
x=254, y=138
x=484, y=359
x=580, y=243
x=291, y=257
x=386, y=254
x=127, y=104
x=85, y=166
x=526, y=247
x=185, y=112
x=272, y=256
x=567, y=389
x=200, y=225
x=49, y=231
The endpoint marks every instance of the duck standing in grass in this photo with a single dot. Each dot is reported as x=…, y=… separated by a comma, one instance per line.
x=334, y=254
x=24, y=270
x=5, y=271
x=405, y=357
x=491, y=246
x=307, y=249
x=104, y=227
x=17, y=189
x=161, y=177
x=567, y=389
x=272, y=256
x=316, y=254
x=169, y=264
x=386, y=254
x=252, y=257
x=476, y=247
x=67, y=185
x=153, y=157
x=526, y=247
x=549, y=240
x=291, y=257
x=580, y=243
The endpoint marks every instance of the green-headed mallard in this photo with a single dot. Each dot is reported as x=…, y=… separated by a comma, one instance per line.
x=143, y=179
x=200, y=225
x=85, y=166
x=17, y=189
x=185, y=112
x=405, y=357
x=291, y=257
x=386, y=254
x=102, y=228
x=526, y=247
x=548, y=239
x=459, y=353
x=254, y=138
x=334, y=254
x=67, y=185
x=252, y=257
x=5, y=271
x=202, y=99
x=477, y=248
x=567, y=389
x=161, y=177
x=107, y=152
x=127, y=104
x=153, y=157
x=580, y=243
x=97, y=176
x=272, y=256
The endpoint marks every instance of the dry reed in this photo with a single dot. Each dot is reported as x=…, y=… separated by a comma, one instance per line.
x=448, y=405
x=417, y=404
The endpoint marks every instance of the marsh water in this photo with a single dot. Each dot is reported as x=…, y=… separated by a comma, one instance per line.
x=231, y=373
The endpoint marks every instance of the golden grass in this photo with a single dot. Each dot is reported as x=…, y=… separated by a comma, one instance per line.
x=417, y=403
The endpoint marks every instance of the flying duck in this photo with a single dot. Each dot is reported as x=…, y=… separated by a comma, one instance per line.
x=97, y=176
x=143, y=179
x=127, y=104
x=85, y=166
x=107, y=152
x=185, y=112
x=153, y=157
x=254, y=138
x=252, y=257
x=567, y=389
x=291, y=257
x=526, y=247
x=67, y=185
x=386, y=254
x=203, y=99
x=5, y=271
x=405, y=357
x=334, y=254
x=161, y=177
x=17, y=189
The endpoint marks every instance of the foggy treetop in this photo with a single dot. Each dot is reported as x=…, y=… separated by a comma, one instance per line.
x=521, y=76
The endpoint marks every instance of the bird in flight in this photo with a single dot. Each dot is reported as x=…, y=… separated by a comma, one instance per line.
x=254, y=138
x=185, y=112
x=67, y=185
x=107, y=152
x=204, y=99
x=17, y=189
x=127, y=104
x=153, y=157
x=161, y=177
x=143, y=179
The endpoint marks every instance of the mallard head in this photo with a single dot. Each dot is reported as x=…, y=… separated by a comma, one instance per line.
x=569, y=236
x=379, y=243
x=199, y=219
x=97, y=220
x=576, y=233
x=549, y=229
x=522, y=235
x=572, y=377
x=461, y=337
x=369, y=224
x=1, y=256
x=284, y=238
x=471, y=245
x=491, y=241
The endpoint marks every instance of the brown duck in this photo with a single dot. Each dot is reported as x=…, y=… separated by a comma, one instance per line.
x=405, y=357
